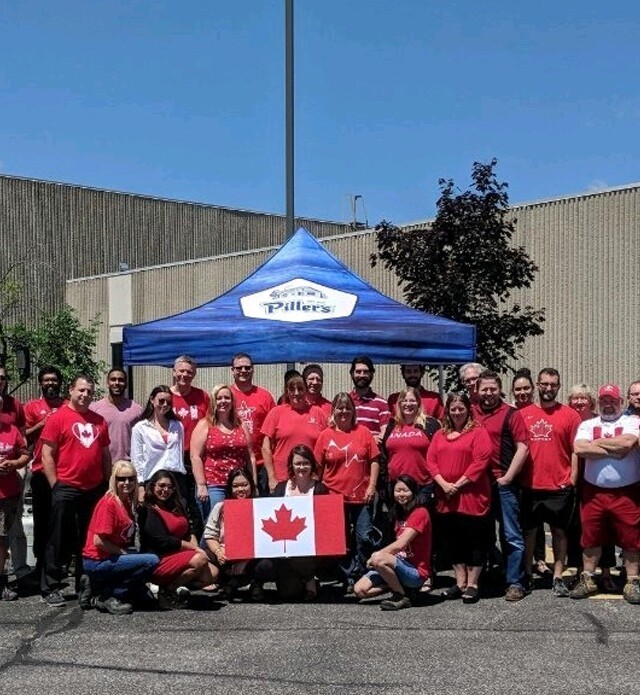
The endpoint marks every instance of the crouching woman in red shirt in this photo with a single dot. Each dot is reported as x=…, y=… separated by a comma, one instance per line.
x=405, y=563
x=115, y=574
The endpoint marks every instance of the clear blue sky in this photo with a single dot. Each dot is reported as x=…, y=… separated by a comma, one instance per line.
x=186, y=99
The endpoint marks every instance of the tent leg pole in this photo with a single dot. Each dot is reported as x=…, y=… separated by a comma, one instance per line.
x=441, y=380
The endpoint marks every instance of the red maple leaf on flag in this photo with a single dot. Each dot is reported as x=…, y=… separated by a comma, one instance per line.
x=284, y=528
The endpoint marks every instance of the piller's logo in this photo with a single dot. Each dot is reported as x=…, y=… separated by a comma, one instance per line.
x=298, y=301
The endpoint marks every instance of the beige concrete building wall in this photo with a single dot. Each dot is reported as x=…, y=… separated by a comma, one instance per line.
x=587, y=249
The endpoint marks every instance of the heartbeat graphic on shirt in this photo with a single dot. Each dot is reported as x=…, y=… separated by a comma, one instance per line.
x=347, y=461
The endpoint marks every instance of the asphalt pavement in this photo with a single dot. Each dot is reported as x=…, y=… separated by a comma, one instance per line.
x=542, y=644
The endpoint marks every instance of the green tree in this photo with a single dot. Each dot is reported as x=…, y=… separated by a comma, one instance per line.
x=464, y=267
x=61, y=340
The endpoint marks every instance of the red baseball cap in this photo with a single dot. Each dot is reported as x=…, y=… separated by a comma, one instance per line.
x=612, y=390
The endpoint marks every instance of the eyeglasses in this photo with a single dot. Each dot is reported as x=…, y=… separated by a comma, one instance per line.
x=164, y=486
x=243, y=369
x=164, y=401
x=126, y=478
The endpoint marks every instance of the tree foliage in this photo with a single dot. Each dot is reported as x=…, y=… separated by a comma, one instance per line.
x=464, y=267
x=61, y=340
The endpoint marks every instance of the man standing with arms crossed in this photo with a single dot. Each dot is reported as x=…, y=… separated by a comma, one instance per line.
x=252, y=405
x=77, y=465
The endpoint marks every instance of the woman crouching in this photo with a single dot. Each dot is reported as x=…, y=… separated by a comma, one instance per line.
x=405, y=563
x=116, y=573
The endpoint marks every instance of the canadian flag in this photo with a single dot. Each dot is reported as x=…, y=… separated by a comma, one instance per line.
x=284, y=527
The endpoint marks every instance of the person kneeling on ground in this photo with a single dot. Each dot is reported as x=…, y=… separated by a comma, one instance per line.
x=114, y=574
x=403, y=564
x=237, y=573
x=164, y=530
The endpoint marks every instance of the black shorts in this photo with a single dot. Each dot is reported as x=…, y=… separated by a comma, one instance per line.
x=554, y=507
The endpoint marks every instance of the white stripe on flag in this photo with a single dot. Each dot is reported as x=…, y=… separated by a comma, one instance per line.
x=291, y=523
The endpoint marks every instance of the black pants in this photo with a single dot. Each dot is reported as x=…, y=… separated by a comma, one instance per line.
x=187, y=484
x=71, y=510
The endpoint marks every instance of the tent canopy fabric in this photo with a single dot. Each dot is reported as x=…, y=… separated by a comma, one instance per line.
x=301, y=305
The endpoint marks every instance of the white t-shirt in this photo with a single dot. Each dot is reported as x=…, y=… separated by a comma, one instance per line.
x=610, y=472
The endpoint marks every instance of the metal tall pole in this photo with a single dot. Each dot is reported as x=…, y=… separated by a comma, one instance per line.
x=290, y=224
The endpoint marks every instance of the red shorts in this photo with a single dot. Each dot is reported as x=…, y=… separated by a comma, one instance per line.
x=610, y=515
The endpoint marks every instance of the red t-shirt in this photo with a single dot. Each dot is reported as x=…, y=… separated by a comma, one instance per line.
x=12, y=412
x=418, y=552
x=189, y=409
x=80, y=439
x=11, y=441
x=431, y=403
x=551, y=433
x=252, y=407
x=345, y=459
x=113, y=522
x=468, y=455
x=506, y=428
x=321, y=403
x=287, y=428
x=372, y=411
x=407, y=447
x=222, y=453
x=36, y=411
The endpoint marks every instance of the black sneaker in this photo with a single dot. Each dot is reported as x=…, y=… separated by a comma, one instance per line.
x=54, y=599
x=113, y=606
x=7, y=594
x=560, y=589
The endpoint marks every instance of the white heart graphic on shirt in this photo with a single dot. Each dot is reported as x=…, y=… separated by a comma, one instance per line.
x=85, y=433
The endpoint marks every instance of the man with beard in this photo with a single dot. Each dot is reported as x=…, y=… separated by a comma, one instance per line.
x=610, y=504
x=120, y=413
x=431, y=401
x=372, y=410
x=550, y=473
x=36, y=413
x=509, y=452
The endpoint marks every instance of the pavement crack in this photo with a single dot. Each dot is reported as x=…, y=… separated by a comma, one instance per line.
x=49, y=624
x=602, y=634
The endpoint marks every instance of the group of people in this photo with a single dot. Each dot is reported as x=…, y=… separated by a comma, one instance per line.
x=419, y=479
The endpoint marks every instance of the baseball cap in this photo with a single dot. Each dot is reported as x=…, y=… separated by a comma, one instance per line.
x=612, y=390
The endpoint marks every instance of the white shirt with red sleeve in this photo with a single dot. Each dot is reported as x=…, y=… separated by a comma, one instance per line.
x=610, y=472
x=79, y=439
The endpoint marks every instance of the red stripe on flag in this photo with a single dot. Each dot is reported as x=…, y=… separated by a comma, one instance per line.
x=238, y=529
x=329, y=522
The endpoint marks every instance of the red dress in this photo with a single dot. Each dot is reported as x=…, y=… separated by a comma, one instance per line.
x=173, y=564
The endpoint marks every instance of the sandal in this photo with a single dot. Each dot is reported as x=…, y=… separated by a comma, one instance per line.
x=470, y=595
x=210, y=588
x=452, y=593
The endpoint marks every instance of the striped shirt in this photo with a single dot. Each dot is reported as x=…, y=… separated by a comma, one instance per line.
x=372, y=411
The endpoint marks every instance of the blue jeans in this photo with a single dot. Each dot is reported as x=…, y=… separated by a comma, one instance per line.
x=216, y=494
x=360, y=540
x=120, y=574
x=507, y=507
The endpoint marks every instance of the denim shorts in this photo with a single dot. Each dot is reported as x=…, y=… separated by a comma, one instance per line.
x=407, y=575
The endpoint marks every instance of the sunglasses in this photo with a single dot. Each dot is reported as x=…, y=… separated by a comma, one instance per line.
x=164, y=486
x=126, y=478
x=243, y=369
x=164, y=401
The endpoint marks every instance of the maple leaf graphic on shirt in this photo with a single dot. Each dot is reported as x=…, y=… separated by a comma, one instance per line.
x=284, y=528
x=541, y=430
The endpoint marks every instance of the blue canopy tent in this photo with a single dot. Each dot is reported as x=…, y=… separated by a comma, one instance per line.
x=302, y=305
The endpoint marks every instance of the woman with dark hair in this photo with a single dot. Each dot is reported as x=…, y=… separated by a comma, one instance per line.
x=459, y=460
x=347, y=454
x=157, y=442
x=115, y=573
x=240, y=485
x=293, y=422
x=296, y=576
x=164, y=530
x=220, y=442
x=406, y=562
